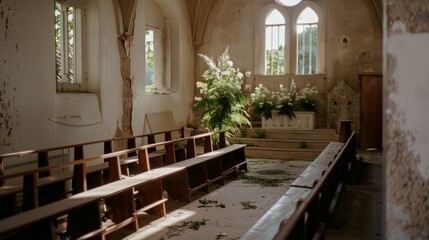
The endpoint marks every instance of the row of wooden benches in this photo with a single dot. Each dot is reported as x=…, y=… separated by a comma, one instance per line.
x=52, y=179
x=303, y=211
x=125, y=197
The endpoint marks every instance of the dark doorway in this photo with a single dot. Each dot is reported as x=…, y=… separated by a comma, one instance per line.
x=371, y=88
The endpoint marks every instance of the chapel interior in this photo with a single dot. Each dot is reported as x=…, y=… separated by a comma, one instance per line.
x=75, y=71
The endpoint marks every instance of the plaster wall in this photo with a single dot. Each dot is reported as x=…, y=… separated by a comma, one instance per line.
x=352, y=41
x=180, y=99
x=30, y=103
x=406, y=133
x=26, y=68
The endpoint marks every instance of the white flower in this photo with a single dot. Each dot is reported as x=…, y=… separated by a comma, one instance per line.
x=230, y=63
x=248, y=73
x=239, y=75
x=198, y=99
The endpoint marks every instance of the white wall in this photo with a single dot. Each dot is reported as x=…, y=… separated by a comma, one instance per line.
x=406, y=132
x=27, y=75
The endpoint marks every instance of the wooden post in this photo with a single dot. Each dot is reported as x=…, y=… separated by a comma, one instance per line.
x=43, y=161
x=144, y=164
x=30, y=192
x=168, y=136
x=79, y=183
x=222, y=140
x=114, y=169
x=170, y=154
x=79, y=178
x=108, y=147
x=1, y=172
x=78, y=152
x=131, y=143
x=190, y=148
x=150, y=140
x=208, y=144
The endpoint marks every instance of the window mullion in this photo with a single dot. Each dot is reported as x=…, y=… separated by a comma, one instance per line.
x=310, y=59
x=278, y=49
x=303, y=50
x=64, y=47
x=271, y=54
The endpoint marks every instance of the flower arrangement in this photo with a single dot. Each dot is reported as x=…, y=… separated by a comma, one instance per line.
x=222, y=99
x=286, y=101
x=307, y=98
x=263, y=101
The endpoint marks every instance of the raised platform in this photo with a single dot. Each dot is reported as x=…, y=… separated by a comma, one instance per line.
x=285, y=144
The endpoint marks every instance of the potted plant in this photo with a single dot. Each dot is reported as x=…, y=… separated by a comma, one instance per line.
x=263, y=102
x=222, y=99
x=287, y=101
x=308, y=99
x=287, y=108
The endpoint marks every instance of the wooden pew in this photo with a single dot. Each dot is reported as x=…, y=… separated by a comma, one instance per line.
x=305, y=208
x=84, y=208
x=50, y=183
x=157, y=157
x=95, y=176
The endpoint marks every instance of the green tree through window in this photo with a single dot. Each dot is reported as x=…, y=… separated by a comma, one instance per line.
x=307, y=39
x=274, y=43
x=149, y=36
x=65, y=43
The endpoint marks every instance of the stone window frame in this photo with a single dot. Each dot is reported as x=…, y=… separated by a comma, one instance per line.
x=86, y=56
x=161, y=53
x=290, y=15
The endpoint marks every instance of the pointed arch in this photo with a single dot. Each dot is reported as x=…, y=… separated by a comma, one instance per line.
x=320, y=58
x=260, y=40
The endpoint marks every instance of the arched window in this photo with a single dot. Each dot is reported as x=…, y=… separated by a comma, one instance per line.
x=307, y=41
x=288, y=3
x=290, y=40
x=275, y=27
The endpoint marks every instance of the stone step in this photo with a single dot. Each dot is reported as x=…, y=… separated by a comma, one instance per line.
x=285, y=144
x=286, y=154
x=282, y=143
x=315, y=134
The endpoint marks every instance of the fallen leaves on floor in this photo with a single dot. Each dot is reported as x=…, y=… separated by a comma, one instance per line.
x=210, y=203
x=248, y=205
x=175, y=231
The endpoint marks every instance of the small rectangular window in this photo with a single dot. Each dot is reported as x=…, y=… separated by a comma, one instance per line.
x=68, y=63
x=158, y=60
x=149, y=56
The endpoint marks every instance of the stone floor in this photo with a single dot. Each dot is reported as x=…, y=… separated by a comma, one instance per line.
x=359, y=210
x=228, y=211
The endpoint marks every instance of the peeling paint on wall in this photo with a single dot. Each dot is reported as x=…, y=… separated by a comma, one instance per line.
x=407, y=191
x=406, y=131
x=9, y=115
x=414, y=14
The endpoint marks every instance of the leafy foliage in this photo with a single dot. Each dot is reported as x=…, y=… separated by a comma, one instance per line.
x=222, y=100
x=275, y=61
x=286, y=101
x=308, y=99
x=263, y=101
